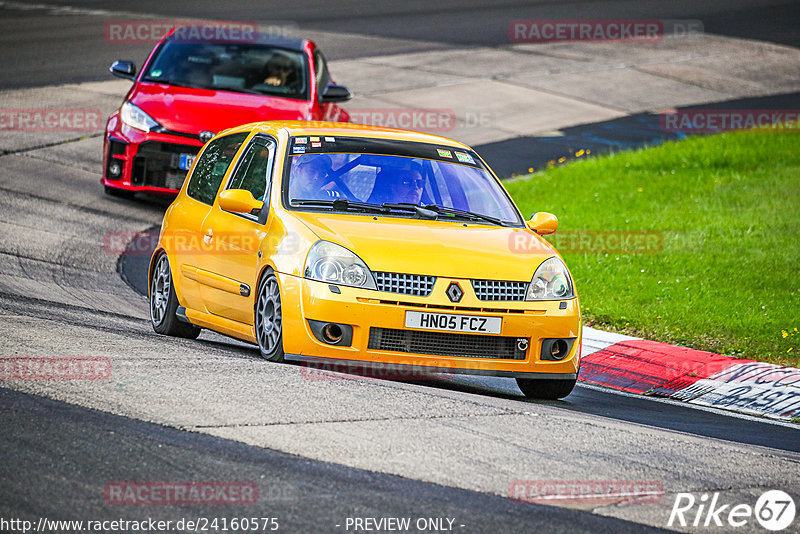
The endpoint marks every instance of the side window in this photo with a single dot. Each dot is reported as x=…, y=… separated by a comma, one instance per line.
x=211, y=167
x=321, y=69
x=253, y=169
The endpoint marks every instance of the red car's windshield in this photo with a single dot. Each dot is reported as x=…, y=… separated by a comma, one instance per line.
x=242, y=67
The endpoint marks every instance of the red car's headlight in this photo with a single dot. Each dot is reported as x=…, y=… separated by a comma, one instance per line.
x=134, y=117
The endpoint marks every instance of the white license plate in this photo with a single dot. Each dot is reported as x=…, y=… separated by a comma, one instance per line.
x=186, y=161
x=453, y=323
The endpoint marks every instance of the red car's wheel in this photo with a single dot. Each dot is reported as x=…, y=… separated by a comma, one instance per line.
x=119, y=193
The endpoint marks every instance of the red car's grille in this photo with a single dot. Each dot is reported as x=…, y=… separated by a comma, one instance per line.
x=159, y=164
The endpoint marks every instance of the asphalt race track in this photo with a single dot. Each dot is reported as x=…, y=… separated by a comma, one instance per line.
x=41, y=49
x=320, y=449
x=307, y=496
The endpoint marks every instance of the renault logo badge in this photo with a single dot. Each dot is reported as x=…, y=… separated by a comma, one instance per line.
x=205, y=136
x=454, y=292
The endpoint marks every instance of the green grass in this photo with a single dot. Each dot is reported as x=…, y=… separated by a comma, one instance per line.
x=728, y=207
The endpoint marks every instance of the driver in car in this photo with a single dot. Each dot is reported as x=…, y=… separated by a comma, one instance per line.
x=280, y=71
x=407, y=187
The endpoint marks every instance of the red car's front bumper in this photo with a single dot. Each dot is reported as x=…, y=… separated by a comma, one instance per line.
x=149, y=162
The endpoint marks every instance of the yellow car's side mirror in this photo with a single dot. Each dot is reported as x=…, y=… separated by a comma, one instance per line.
x=543, y=223
x=239, y=201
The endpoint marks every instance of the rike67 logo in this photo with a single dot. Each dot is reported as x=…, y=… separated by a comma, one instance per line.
x=774, y=510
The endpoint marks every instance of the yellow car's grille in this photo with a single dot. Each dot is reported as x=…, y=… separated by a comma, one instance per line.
x=445, y=344
x=405, y=284
x=499, y=290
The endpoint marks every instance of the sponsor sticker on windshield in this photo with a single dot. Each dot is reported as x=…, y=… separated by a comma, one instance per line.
x=314, y=139
x=299, y=140
x=330, y=139
x=464, y=158
x=444, y=153
x=316, y=145
x=298, y=150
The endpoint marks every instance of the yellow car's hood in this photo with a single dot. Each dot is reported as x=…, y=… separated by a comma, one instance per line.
x=435, y=248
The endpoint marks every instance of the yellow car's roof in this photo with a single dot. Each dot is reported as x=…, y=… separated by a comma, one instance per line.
x=345, y=129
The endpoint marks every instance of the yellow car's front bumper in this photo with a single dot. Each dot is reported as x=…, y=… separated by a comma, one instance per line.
x=524, y=324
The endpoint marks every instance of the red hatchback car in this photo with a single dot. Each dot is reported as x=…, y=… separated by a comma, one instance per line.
x=190, y=89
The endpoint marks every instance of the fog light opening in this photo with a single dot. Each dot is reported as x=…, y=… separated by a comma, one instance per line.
x=558, y=350
x=114, y=169
x=332, y=333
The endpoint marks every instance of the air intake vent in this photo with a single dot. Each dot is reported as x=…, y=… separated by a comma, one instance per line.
x=445, y=344
x=499, y=290
x=405, y=284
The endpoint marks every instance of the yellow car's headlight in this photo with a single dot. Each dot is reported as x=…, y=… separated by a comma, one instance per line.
x=334, y=264
x=551, y=281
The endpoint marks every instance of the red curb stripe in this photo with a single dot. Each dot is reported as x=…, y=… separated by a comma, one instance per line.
x=671, y=387
x=641, y=366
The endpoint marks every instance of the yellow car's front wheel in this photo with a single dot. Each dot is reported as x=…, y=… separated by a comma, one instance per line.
x=269, y=318
x=546, y=389
x=164, y=304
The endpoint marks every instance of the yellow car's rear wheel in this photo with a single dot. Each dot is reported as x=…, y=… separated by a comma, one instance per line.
x=269, y=318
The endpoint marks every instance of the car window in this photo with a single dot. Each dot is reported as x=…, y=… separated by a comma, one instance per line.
x=378, y=179
x=211, y=167
x=241, y=67
x=253, y=169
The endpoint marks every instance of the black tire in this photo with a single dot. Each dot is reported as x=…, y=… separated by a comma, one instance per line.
x=119, y=193
x=164, y=304
x=546, y=389
x=269, y=318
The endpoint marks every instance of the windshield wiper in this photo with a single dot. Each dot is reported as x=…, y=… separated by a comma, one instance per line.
x=423, y=213
x=207, y=88
x=431, y=211
x=465, y=214
x=176, y=84
x=240, y=90
x=342, y=204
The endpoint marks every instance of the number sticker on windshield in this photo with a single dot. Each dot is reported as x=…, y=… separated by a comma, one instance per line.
x=464, y=158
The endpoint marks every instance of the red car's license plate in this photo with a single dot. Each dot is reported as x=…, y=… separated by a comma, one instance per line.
x=186, y=161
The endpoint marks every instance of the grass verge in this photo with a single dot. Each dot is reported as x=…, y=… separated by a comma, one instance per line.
x=719, y=266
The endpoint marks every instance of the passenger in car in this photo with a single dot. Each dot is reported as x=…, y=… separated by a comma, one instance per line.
x=311, y=179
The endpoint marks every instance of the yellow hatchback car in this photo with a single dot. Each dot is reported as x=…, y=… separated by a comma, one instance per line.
x=327, y=243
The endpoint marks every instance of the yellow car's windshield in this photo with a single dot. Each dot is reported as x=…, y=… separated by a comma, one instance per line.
x=453, y=183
